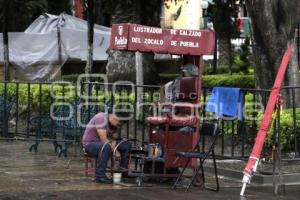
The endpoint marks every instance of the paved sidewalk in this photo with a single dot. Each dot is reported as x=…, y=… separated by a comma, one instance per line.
x=151, y=194
x=42, y=175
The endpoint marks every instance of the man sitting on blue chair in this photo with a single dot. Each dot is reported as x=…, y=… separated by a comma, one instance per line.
x=97, y=142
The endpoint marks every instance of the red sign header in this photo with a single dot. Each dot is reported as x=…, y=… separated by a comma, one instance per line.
x=134, y=37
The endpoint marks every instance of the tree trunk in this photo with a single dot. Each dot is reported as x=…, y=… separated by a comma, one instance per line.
x=273, y=26
x=225, y=52
x=121, y=64
x=292, y=79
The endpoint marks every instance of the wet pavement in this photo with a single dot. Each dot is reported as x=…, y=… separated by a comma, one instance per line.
x=42, y=175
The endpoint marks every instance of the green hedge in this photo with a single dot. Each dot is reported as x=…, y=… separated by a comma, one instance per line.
x=73, y=78
x=35, y=97
x=286, y=128
x=221, y=69
x=234, y=80
x=70, y=78
x=47, y=98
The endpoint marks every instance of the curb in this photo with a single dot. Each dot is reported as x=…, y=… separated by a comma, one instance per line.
x=287, y=179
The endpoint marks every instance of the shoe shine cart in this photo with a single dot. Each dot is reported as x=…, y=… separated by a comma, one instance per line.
x=164, y=128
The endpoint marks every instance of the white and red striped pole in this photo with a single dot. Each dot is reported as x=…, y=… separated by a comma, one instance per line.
x=267, y=118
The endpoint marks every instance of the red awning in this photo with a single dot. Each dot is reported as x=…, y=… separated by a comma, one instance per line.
x=135, y=37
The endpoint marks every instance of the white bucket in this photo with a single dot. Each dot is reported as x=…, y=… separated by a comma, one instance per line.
x=117, y=177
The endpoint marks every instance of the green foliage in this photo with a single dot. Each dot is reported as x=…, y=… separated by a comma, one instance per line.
x=22, y=13
x=221, y=69
x=222, y=14
x=239, y=67
x=47, y=97
x=286, y=130
x=72, y=78
x=23, y=96
x=234, y=80
x=139, y=11
x=241, y=60
x=58, y=6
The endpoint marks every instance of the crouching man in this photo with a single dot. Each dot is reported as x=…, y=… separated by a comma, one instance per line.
x=96, y=142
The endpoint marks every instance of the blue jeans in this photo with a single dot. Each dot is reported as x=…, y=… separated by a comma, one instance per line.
x=94, y=149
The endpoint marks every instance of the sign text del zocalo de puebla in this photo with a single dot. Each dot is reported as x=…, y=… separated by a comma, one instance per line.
x=134, y=37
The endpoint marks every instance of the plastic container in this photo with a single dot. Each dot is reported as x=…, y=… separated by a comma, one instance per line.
x=117, y=177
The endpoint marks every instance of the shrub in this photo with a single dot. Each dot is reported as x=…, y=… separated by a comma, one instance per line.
x=47, y=98
x=35, y=99
x=73, y=78
x=234, y=80
x=286, y=130
x=221, y=69
x=226, y=80
x=241, y=59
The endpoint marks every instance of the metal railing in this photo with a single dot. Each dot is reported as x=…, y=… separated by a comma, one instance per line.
x=23, y=101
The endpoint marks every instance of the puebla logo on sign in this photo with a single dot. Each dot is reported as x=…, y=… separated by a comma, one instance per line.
x=120, y=30
x=120, y=40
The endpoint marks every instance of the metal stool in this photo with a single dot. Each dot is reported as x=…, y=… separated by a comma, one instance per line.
x=92, y=161
x=90, y=164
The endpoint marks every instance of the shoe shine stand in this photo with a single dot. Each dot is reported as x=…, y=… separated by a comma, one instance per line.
x=164, y=129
